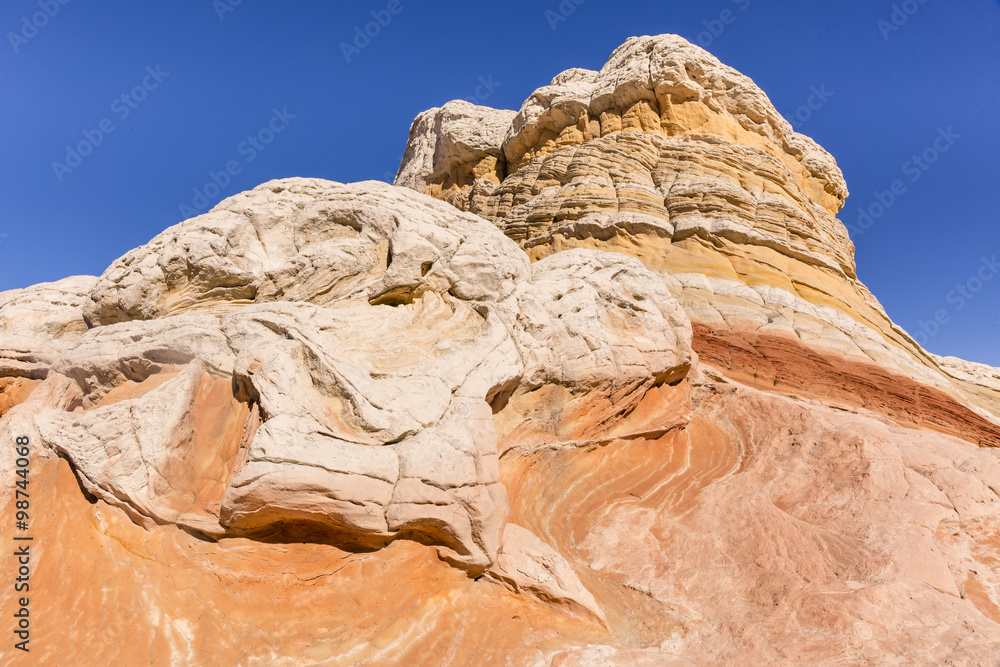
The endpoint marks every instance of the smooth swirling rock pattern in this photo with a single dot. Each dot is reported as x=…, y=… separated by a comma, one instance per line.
x=325, y=359
x=605, y=390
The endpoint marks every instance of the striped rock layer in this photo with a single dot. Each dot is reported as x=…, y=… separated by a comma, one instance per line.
x=618, y=399
x=670, y=156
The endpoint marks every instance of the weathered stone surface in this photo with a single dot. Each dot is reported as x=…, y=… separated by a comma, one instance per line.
x=668, y=155
x=527, y=564
x=700, y=530
x=383, y=409
x=302, y=240
x=37, y=322
x=454, y=146
x=357, y=409
x=598, y=320
x=766, y=528
x=165, y=457
x=355, y=425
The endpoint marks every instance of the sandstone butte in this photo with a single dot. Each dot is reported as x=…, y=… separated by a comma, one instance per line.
x=594, y=383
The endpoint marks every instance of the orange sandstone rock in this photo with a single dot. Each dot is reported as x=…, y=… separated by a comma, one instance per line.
x=619, y=399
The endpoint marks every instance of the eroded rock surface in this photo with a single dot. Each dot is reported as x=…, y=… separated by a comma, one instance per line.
x=619, y=399
x=670, y=156
x=37, y=322
x=325, y=359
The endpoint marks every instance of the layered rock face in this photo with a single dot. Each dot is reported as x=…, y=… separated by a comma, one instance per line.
x=618, y=399
x=669, y=156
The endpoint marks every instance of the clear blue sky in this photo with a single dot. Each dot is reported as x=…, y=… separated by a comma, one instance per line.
x=220, y=80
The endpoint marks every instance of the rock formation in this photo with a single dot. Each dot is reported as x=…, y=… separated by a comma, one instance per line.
x=669, y=156
x=595, y=383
